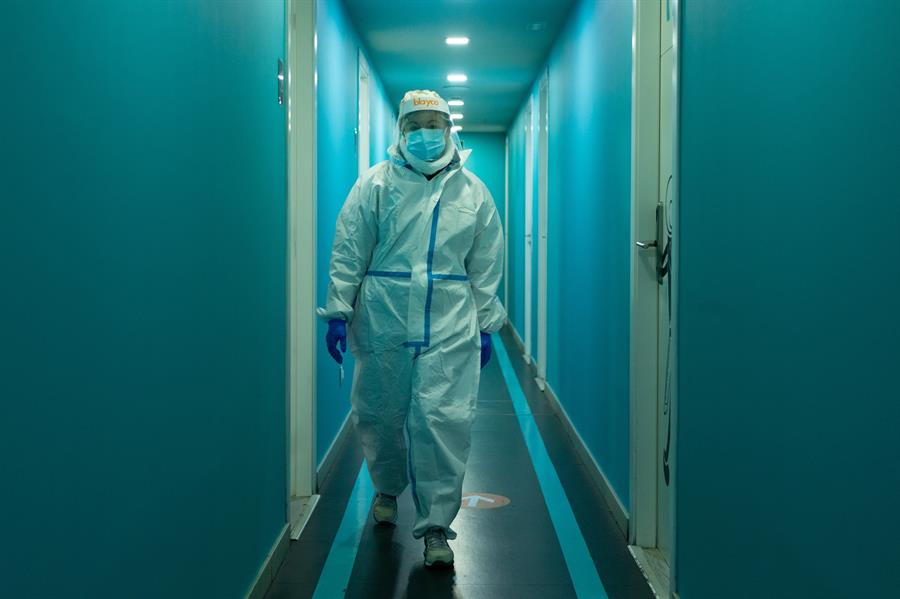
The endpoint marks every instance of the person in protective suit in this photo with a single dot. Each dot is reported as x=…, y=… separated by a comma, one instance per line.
x=415, y=266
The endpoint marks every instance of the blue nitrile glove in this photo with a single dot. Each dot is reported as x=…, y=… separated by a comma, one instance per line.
x=337, y=331
x=485, y=349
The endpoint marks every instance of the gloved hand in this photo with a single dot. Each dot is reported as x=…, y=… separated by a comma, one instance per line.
x=485, y=349
x=337, y=331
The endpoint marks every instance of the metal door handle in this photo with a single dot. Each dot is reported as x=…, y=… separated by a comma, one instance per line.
x=645, y=245
x=280, y=79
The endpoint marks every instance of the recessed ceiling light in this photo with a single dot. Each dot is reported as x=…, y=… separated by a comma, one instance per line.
x=456, y=103
x=457, y=116
x=457, y=41
x=457, y=78
x=456, y=128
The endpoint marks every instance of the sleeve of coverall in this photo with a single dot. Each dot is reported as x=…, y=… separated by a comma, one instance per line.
x=354, y=239
x=484, y=265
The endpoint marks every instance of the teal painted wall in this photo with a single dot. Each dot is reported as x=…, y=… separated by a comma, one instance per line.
x=337, y=166
x=383, y=121
x=590, y=230
x=142, y=248
x=589, y=208
x=787, y=300
x=488, y=162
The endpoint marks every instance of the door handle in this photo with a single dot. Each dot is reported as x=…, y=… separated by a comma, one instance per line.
x=661, y=251
x=280, y=80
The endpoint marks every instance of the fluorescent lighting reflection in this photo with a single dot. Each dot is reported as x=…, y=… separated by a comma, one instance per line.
x=457, y=41
x=457, y=78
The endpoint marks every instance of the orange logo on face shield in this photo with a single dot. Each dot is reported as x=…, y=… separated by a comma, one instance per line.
x=425, y=102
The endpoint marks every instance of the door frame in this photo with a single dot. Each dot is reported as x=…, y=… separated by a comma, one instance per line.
x=300, y=129
x=506, y=222
x=674, y=270
x=644, y=332
x=363, y=117
x=644, y=288
x=529, y=226
x=543, y=199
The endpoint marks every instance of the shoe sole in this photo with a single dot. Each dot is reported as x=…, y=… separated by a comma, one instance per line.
x=439, y=564
x=392, y=522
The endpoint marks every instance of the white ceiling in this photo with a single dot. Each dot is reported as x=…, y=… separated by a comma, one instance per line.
x=510, y=41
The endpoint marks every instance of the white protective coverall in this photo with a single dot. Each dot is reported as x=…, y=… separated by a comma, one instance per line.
x=415, y=268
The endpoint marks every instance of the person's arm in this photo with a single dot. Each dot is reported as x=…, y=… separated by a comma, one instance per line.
x=354, y=239
x=484, y=266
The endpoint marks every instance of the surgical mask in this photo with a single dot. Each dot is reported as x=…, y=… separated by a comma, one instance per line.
x=426, y=144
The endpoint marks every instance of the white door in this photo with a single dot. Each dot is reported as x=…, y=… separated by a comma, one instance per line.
x=664, y=228
x=652, y=351
x=543, y=157
x=362, y=130
x=529, y=242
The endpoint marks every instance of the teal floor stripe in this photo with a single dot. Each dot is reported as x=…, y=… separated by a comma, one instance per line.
x=578, y=559
x=336, y=573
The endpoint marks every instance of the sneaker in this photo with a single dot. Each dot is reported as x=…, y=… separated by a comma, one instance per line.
x=385, y=511
x=437, y=552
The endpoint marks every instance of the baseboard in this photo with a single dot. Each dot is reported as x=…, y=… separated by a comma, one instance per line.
x=302, y=509
x=270, y=566
x=331, y=455
x=520, y=345
x=516, y=336
x=654, y=568
x=615, y=505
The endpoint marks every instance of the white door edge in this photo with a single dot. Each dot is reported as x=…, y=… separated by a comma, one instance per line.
x=506, y=223
x=644, y=294
x=301, y=167
x=676, y=159
x=363, y=119
x=543, y=199
x=529, y=223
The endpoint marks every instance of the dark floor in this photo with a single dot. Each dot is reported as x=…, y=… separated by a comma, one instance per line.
x=509, y=552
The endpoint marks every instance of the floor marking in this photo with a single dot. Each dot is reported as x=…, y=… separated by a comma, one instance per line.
x=578, y=559
x=335, y=575
x=483, y=501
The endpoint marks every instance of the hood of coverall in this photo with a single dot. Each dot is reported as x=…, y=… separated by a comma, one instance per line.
x=417, y=101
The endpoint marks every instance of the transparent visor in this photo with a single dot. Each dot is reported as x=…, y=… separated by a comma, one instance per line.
x=425, y=119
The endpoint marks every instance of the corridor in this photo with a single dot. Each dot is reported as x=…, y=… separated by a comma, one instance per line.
x=607, y=287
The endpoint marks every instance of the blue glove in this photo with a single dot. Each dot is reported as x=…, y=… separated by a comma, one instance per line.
x=485, y=349
x=337, y=331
